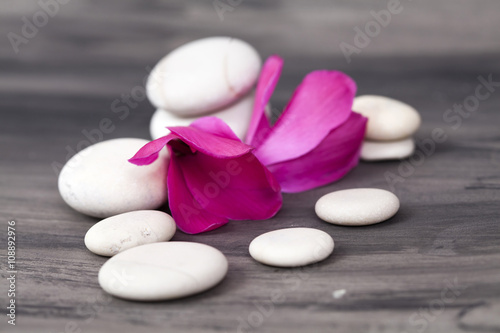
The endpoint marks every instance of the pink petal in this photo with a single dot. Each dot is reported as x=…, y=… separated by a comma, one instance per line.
x=321, y=103
x=239, y=189
x=259, y=125
x=149, y=152
x=189, y=216
x=215, y=126
x=208, y=143
x=336, y=155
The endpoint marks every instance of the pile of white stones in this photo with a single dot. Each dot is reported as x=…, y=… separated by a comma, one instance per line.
x=212, y=76
x=209, y=77
x=391, y=125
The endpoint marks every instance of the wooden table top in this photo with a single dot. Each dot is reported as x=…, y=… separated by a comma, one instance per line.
x=434, y=267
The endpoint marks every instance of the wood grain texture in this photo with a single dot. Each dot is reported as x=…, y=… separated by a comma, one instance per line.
x=396, y=274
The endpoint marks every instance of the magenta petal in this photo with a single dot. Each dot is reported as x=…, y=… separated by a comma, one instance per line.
x=336, y=155
x=239, y=189
x=149, y=152
x=189, y=216
x=259, y=125
x=210, y=144
x=215, y=126
x=321, y=103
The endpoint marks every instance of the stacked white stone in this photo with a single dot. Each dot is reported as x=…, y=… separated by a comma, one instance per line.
x=391, y=125
x=208, y=77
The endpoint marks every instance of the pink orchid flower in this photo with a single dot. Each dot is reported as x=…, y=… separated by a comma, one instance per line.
x=317, y=139
x=212, y=177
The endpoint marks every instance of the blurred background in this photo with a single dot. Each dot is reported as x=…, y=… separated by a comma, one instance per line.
x=103, y=49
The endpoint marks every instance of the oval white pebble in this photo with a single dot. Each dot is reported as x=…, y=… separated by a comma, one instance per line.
x=203, y=76
x=360, y=206
x=237, y=116
x=99, y=181
x=121, y=232
x=291, y=247
x=388, y=119
x=162, y=271
x=387, y=150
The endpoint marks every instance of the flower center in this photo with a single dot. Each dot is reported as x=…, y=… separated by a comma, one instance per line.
x=180, y=148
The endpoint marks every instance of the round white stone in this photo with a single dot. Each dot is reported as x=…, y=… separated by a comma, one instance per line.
x=388, y=119
x=162, y=271
x=291, y=247
x=237, y=116
x=121, y=232
x=203, y=76
x=99, y=181
x=387, y=150
x=354, y=207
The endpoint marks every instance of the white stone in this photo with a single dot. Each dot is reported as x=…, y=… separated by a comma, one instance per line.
x=291, y=247
x=237, y=116
x=203, y=76
x=359, y=206
x=124, y=231
x=99, y=181
x=162, y=271
x=388, y=119
x=387, y=150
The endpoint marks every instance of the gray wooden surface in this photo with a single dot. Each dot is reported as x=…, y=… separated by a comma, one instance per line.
x=396, y=275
